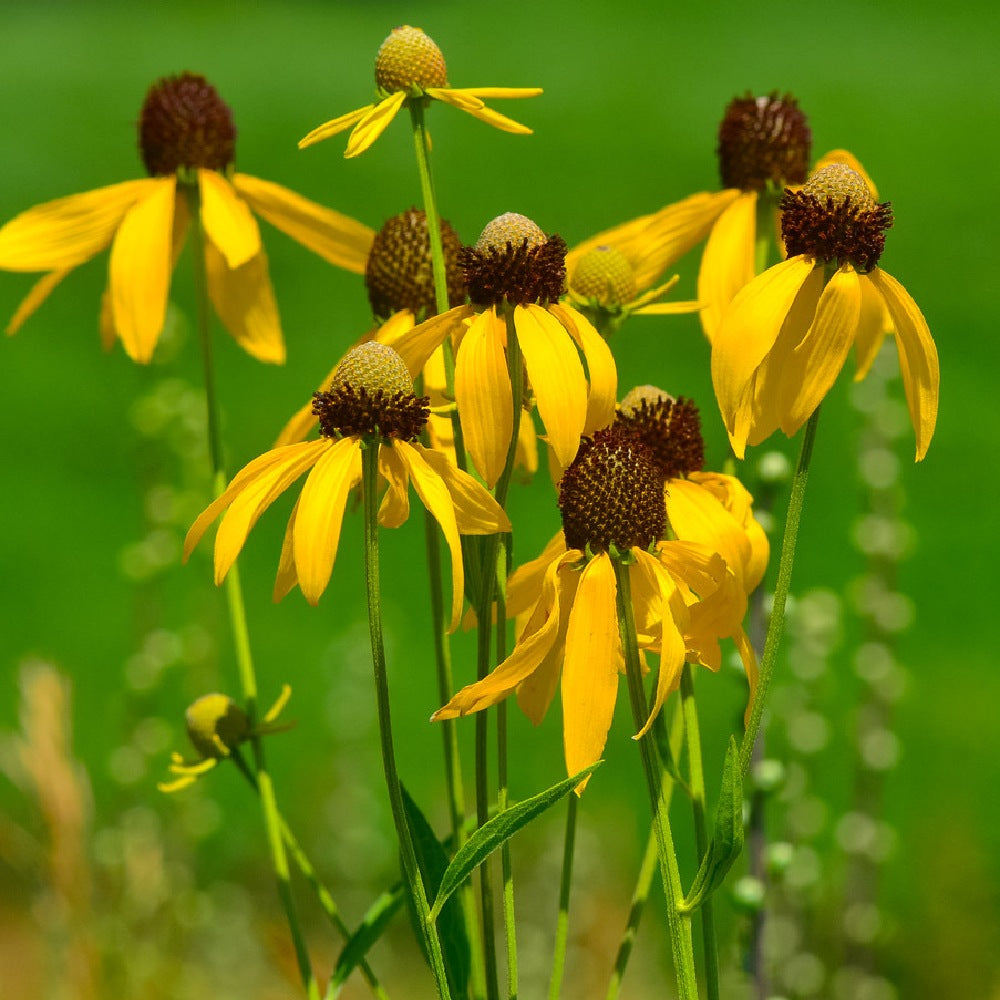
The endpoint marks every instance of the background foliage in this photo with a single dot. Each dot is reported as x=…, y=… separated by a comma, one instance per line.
x=633, y=94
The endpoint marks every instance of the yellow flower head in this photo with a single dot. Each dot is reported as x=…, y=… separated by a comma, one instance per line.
x=612, y=504
x=515, y=276
x=187, y=143
x=786, y=336
x=216, y=726
x=410, y=67
x=370, y=403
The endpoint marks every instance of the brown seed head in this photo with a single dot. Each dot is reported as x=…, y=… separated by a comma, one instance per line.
x=514, y=261
x=834, y=217
x=670, y=428
x=612, y=494
x=184, y=123
x=371, y=394
x=407, y=59
x=763, y=139
x=399, y=274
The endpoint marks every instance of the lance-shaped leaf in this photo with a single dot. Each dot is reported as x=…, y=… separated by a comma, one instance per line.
x=369, y=931
x=727, y=838
x=497, y=831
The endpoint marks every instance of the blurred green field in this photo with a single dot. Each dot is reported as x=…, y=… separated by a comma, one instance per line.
x=633, y=95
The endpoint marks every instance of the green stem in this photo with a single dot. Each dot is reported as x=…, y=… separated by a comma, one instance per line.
x=696, y=776
x=421, y=146
x=369, y=489
x=644, y=880
x=237, y=612
x=679, y=924
x=565, y=882
x=776, y=624
x=323, y=895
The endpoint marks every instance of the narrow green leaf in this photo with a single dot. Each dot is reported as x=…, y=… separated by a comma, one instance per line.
x=496, y=831
x=370, y=930
x=432, y=862
x=727, y=837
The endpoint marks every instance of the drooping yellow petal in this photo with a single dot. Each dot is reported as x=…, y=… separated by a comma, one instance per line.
x=525, y=583
x=335, y=126
x=476, y=511
x=497, y=120
x=61, y=234
x=556, y=376
x=320, y=513
x=373, y=124
x=483, y=393
x=671, y=640
x=602, y=373
x=395, y=507
x=337, y=238
x=435, y=497
x=489, y=93
x=528, y=653
x=727, y=263
x=590, y=668
x=140, y=269
x=918, y=358
x=40, y=291
x=417, y=345
x=286, y=577
x=698, y=516
x=747, y=333
x=229, y=223
x=815, y=363
x=255, y=497
x=460, y=99
x=244, y=299
x=873, y=325
x=526, y=456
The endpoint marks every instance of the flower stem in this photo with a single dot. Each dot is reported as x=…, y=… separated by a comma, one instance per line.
x=644, y=880
x=696, y=777
x=679, y=924
x=421, y=146
x=369, y=489
x=565, y=882
x=777, y=621
x=237, y=612
x=323, y=895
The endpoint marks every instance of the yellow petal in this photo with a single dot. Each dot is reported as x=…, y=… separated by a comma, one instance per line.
x=373, y=124
x=229, y=223
x=248, y=503
x=698, y=516
x=602, y=373
x=140, y=269
x=873, y=325
x=321, y=512
x=337, y=238
x=435, y=497
x=416, y=346
x=590, y=668
x=918, y=358
x=556, y=376
x=526, y=456
x=61, y=234
x=728, y=261
x=244, y=299
x=813, y=366
x=500, y=121
x=476, y=511
x=460, y=99
x=671, y=641
x=483, y=393
x=747, y=333
x=525, y=583
x=488, y=93
x=529, y=652
x=395, y=507
x=287, y=576
x=668, y=308
x=334, y=126
x=39, y=293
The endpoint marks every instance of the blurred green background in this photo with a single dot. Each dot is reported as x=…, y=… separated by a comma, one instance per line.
x=99, y=480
